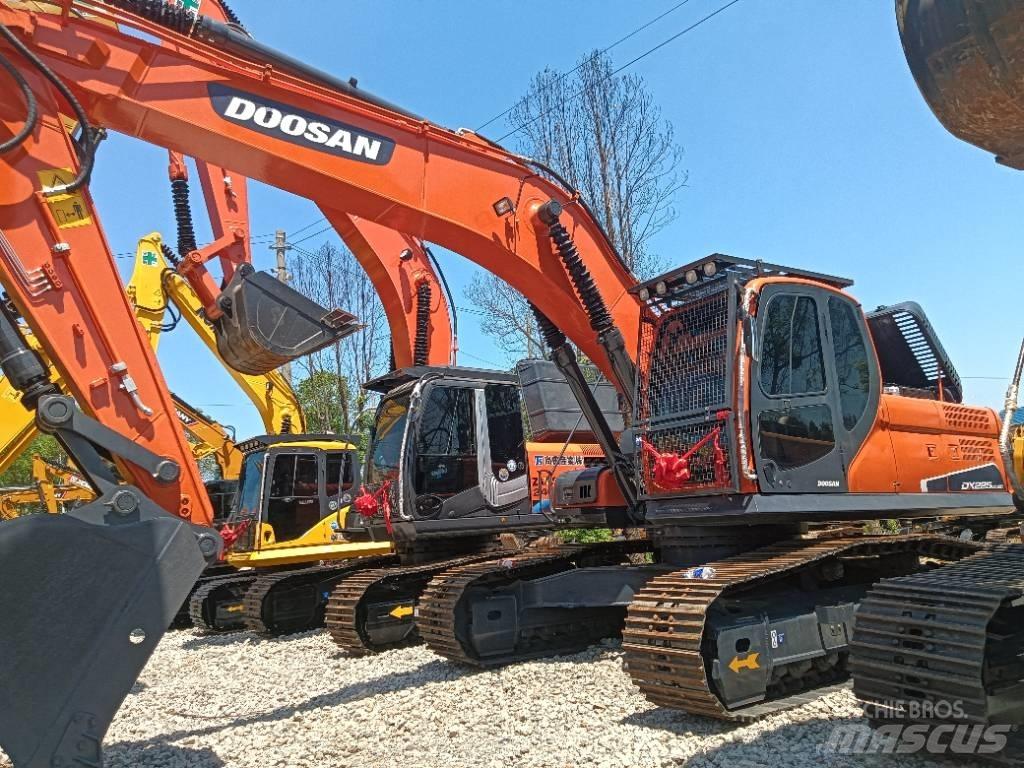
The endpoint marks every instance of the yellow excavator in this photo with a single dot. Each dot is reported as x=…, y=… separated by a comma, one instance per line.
x=206, y=436
x=294, y=488
x=155, y=288
x=53, y=489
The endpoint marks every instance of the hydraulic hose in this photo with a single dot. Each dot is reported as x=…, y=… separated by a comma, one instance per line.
x=235, y=40
x=582, y=280
x=451, y=302
x=183, y=217
x=169, y=255
x=422, y=346
x=87, y=149
x=32, y=108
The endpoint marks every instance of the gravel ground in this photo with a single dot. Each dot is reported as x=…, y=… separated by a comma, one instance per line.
x=299, y=702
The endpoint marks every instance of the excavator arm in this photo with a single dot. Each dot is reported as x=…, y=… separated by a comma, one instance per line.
x=202, y=88
x=210, y=95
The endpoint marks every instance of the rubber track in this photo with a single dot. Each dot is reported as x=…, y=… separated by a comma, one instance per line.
x=256, y=594
x=199, y=595
x=665, y=624
x=923, y=638
x=436, y=618
x=343, y=606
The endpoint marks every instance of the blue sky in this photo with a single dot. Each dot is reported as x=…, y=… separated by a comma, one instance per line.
x=806, y=142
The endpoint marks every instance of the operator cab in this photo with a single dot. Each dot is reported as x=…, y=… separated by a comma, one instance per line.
x=294, y=490
x=449, y=452
x=828, y=415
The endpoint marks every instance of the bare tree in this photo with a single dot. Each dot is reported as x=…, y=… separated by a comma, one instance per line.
x=330, y=387
x=603, y=133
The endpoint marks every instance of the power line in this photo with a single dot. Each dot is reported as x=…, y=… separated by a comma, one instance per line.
x=481, y=359
x=605, y=50
x=328, y=228
x=629, y=63
x=303, y=229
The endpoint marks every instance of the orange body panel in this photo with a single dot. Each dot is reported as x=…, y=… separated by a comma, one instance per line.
x=546, y=461
x=915, y=440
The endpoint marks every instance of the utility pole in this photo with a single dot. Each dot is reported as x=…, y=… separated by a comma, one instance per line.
x=281, y=246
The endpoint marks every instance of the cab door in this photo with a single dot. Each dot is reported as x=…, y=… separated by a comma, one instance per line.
x=793, y=413
x=469, y=454
x=445, y=456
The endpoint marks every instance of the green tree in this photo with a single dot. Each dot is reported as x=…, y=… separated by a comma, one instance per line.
x=20, y=472
x=331, y=405
x=324, y=399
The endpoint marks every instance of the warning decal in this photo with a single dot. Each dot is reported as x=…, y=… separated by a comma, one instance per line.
x=68, y=210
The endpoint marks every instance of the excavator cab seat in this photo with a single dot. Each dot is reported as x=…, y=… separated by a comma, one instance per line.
x=267, y=324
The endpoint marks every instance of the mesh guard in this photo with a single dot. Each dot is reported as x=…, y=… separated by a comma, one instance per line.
x=685, y=393
x=267, y=324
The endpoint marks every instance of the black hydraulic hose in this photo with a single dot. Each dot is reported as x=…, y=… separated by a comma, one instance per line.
x=553, y=335
x=169, y=255
x=582, y=280
x=582, y=202
x=447, y=293
x=421, y=348
x=230, y=14
x=234, y=40
x=32, y=108
x=183, y=217
x=286, y=424
x=87, y=150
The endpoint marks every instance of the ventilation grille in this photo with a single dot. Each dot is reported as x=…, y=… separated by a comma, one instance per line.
x=910, y=353
x=977, y=451
x=966, y=418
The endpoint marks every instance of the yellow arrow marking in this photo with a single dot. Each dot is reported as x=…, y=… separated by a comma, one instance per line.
x=749, y=662
x=235, y=608
x=401, y=611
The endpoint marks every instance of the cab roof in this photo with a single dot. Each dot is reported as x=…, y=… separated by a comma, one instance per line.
x=402, y=376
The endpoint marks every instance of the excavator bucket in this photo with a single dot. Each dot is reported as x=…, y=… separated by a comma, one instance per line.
x=83, y=604
x=966, y=57
x=267, y=324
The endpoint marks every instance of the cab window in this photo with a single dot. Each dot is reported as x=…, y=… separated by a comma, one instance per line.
x=251, y=494
x=796, y=436
x=446, y=454
x=505, y=431
x=791, y=359
x=851, y=359
x=294, y=504
x=294, y=476
x=340, y=473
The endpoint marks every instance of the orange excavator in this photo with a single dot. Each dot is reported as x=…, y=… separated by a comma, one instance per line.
x=761, y=399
